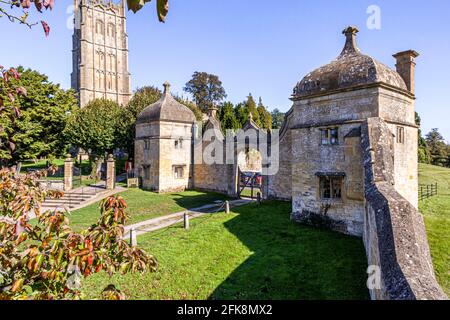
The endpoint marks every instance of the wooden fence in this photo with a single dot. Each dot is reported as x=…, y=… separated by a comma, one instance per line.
x=428, y=191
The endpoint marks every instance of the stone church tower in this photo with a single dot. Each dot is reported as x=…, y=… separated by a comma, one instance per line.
x=100, y=51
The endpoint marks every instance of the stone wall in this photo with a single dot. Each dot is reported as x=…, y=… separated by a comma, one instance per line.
x=394, y=231
x=280, y=185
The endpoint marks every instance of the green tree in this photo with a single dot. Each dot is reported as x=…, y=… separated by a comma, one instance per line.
x=97, y=128
x=206, y=89
x=142, y=98
x=241, y=114
x=424, y=155
x=438, y=148
x=265, y=117
x=44, y=110
x=250, y=104
x=227, y=117
x=277, y=119
x=191, y=105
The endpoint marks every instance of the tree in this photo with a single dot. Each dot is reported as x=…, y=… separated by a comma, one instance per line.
x=44, y=113
x=142, y=98
x=241, y=114
x=424, y=155
x=438, y=148
x=265, y=117
x=250, y=104
x=227, y=117
x=206, y=89
x=46, y=259
x=97, y=128
x=277, y=119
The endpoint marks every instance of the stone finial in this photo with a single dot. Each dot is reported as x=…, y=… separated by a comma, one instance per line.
x=110, y=157
x=350, y=40
x=166, y=87
x=212, y=112
x=68, y=157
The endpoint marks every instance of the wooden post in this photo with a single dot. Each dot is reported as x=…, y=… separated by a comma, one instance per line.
x=428, y=191
x=227, y=207
x=133, y=238
x=186, y=220
x=258, y=196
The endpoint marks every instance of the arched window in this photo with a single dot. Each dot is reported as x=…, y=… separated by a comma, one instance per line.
x=111, y=30
x=99, y=27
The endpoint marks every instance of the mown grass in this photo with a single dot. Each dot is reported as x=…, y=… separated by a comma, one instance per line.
x=143, y=205
x=436, y=212
x=252, y=253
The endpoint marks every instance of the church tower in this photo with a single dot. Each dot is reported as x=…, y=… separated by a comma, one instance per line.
x=100, y=51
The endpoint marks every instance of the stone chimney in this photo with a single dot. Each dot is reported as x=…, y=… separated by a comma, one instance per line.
x=406, y=63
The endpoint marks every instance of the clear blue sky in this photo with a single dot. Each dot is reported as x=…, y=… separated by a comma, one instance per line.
x=258, y=46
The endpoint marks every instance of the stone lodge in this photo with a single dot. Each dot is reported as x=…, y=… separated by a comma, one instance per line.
x=347, y=161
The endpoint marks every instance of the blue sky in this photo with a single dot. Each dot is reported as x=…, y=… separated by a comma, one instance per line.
x=257, y=46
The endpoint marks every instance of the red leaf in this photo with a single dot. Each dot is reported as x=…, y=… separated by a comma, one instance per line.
x=46, y=28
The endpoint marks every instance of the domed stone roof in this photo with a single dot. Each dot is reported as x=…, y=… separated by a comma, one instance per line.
x=350, y=69
x=166, y=109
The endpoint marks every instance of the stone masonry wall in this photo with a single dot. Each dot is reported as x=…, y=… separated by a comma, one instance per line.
x=394, y=231
x=280, y=184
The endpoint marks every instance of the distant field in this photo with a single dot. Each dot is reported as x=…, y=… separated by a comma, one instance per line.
x=436, y=213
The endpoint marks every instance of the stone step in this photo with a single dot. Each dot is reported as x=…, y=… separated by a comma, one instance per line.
x=56, y=204
x=67, y=200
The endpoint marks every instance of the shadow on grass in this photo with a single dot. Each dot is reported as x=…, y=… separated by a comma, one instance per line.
x=195, y=199
x=292, y=261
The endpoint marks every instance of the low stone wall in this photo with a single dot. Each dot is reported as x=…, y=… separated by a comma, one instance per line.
x=394, y=231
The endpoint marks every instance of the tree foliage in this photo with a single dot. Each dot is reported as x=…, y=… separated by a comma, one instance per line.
x=46, y=259
x=265, y=118
x=438, y=149
x=227, y=117
x=277, y=118
x=97, y=128
x=36, y=131
x=235, y=117
x=206, y=89
x=432, y=149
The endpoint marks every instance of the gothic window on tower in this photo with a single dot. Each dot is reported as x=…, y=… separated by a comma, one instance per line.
x=111, y=30
x=329, y=136
x=99, y=27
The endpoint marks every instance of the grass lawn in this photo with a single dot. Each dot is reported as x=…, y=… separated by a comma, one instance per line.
x=143, y=205
x=436, y=213
x=252, y=253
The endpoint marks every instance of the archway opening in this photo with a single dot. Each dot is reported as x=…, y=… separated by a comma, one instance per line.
x=250, y=173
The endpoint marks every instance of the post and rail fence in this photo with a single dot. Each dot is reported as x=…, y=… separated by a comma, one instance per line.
x=428, y=191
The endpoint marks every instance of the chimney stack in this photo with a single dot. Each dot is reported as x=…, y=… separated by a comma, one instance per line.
x=406, y=63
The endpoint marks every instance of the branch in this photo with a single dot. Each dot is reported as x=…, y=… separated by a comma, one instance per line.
x=11, y=17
